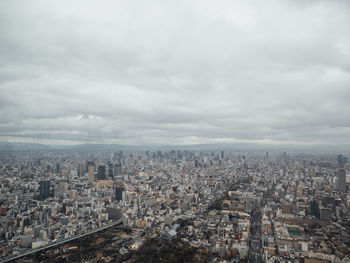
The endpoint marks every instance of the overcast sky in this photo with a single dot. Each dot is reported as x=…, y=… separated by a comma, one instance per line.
x=175, y=72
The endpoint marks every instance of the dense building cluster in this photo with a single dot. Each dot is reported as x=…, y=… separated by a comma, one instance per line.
x=232, y=206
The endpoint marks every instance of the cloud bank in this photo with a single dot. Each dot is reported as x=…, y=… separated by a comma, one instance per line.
x=175, y=72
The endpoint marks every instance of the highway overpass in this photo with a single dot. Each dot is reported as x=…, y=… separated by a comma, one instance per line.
x=61, y=242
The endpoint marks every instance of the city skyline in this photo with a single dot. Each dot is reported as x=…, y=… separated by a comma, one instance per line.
x=152, y=206
x=175, y=131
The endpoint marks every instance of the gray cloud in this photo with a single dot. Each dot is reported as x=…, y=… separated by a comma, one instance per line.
x=165, y=72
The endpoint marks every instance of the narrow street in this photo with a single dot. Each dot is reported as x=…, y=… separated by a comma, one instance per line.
x=255, y=246
x=254, y=254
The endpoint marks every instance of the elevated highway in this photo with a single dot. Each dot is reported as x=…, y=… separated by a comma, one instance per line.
x=61, y=242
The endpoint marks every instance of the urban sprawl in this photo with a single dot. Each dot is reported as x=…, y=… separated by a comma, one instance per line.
x=214, y=206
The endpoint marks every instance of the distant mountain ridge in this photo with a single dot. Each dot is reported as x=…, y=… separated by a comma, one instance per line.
x=237, y=147
x=22, y=146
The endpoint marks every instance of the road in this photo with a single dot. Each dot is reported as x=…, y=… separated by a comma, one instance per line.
x=255, y=246
x=274, y=235
x=61, y=242
x=254, y=254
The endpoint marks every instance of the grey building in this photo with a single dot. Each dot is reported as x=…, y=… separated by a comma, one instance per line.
x=326, y=213
x=101, y=173
x=342, y=180
x=44, y=189
x=119, y=193
x=118, y=170
x=114, y=213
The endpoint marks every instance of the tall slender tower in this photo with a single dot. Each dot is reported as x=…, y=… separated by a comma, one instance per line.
x=91, y=173
x=342, y=180
x=44, y=189
x=101, y=172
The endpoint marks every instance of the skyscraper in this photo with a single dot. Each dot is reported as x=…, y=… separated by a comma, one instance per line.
x=314, y=209
x=299, y=190
x=342, y=180
x=44, y=189
x=340, y=158
x=110, y=170
x=196, y=163
x=101, y=173
x=119, y=193
x=118, y=170
x=91, y=172
x=60, y=189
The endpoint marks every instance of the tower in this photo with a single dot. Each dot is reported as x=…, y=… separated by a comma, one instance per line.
x=110, y=170
x=60, y=189
x=91, y=172
x=299, y=190
x=44, y=189
x=118, y=170
x=342, y=180
x=340, y=159
x=119, y=192
x=101, y=173
x=314, y=207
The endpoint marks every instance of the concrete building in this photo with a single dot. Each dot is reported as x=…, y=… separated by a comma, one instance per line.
x=44, y=189
x=91, y=173
x=342, y=180
x=101, y=173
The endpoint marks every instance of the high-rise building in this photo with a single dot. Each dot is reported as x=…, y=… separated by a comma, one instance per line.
x=118, y=170
x=114, y=213
x=60, y=189
x=313, y=172
x=58, y=168
x=326, y=213
x=340, y=158
x=110, y=170
x=314, y=209
x=299, y=190
x=91, y=172
x=101, y=173
x=119, y=193
x=196, y=163
x=44, y=189
x=342, y=180
x=328, y=201
x=81, y=169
